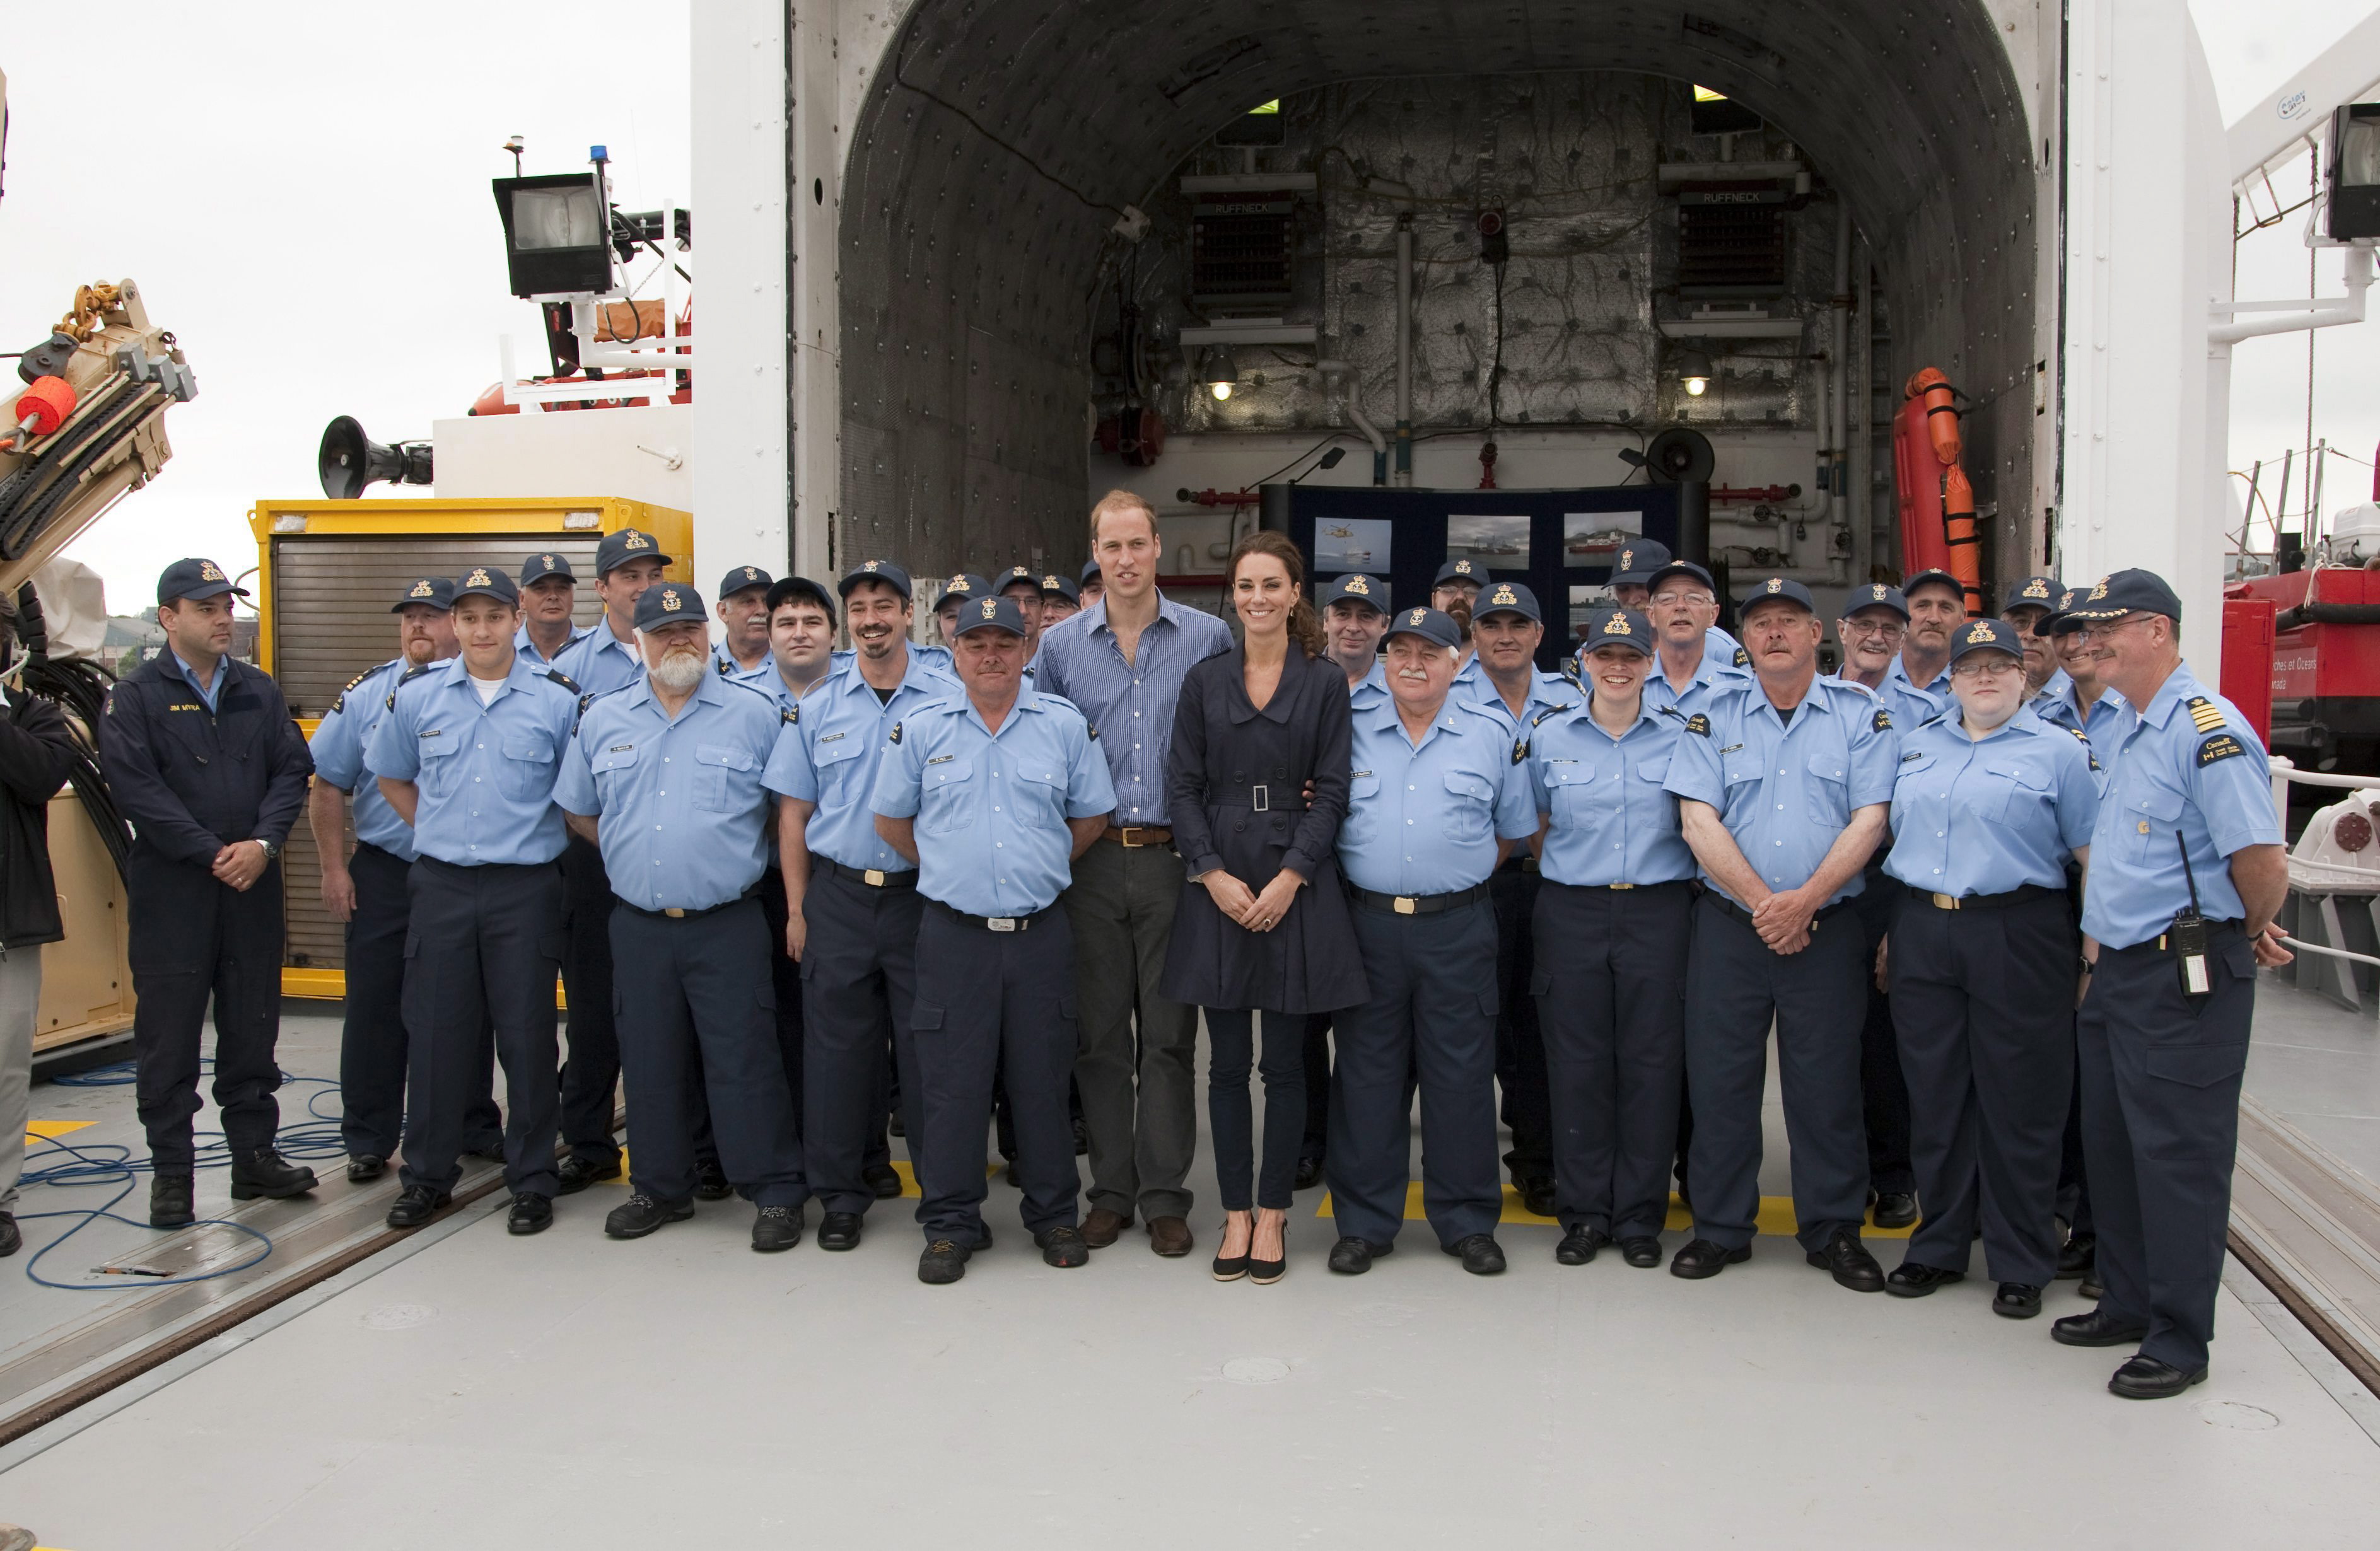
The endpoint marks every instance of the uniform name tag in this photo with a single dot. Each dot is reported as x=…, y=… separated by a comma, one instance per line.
x=1731, y=748
x=941, y=760
x=620, y=748
x=832, y=737
x=433, y=733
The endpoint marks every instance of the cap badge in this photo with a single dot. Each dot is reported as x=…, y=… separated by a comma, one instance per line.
x=1504, y=595
x=1617, y=625
x=869, y=564
x=1877, y=588
x=1463, y=568
x=1050, y=582
x=2037, y=588
x=2098, y=592
x=1775, y=584
x=479, y=578
x=547, y=560
x=750, y=574
x=210, y=572
x=1628, y=560
x=1357, y=586
x=422, y=590
x=1416, y=616
x=1979, y=633
x=990, y=607
x=632, y=540
x=671, y=603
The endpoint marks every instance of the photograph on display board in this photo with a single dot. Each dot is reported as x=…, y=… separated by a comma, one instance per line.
x=1351, y=544
x=1593, y=538
x=1501, y=543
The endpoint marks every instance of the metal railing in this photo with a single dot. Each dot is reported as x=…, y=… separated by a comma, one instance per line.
x=2309, y=876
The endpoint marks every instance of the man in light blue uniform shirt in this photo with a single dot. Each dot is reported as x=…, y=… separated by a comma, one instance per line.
x=1123, y=660
x=852, y=906
x=549, y=590
x=993, y=792
x=1694, y=658
x=2187, y=870
x=664, y=775
x=626, y=563
x=1989, y=805
x=1507, y=629
x=1783, y=786
x=1613, y=919
x=1916, y=689
x=467, y=754
x=1437, y=800
x=801, y=642
x=1643, y=570
x=742, y=653
x=368, y=891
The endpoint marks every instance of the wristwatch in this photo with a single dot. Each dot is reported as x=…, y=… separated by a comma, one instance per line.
x=271, y=852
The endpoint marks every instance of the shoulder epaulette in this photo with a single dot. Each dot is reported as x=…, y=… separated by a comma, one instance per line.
x=1698, y=723
x=2205, y=714
x=341, y=703
x=561, y=679
x=896, y=735
x=790, y=716
x=406, y=677
x=1550, y=711
x=1881, y=721
x=1743, y=658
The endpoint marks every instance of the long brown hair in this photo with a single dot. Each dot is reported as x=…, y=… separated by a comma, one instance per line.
x=1305, y=625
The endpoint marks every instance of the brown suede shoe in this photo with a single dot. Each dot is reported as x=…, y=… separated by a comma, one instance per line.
x=1099, y=1228
x=1169, y=1236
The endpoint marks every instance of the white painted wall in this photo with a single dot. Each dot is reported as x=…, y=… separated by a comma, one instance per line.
x=622, y=451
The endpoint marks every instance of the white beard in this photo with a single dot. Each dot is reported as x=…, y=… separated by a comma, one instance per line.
x=680, y=671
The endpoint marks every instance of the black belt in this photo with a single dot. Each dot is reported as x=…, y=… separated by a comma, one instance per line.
x=1417, y=904
x=1519, y=861
x=2157, y=944
x=990, y=923
x=1712, y=896
x=1260, y=799
x=1625, y=888
x=2018, y=895
x=871, y=877
x=674, y=914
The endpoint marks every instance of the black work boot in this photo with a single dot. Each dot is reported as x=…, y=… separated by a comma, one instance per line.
x=169, y=1201
x=265, y=1173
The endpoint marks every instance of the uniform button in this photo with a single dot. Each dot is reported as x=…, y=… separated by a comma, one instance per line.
x=1937, y=872
x=995, y=808
x=1000, y=846
x=1941, y=835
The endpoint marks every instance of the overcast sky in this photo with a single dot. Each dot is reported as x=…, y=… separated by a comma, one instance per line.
x=303, y=195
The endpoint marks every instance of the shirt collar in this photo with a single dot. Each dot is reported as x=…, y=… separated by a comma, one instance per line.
x=1167, y=610
x=222, y=668
x=1383, y=717
x=2178, y=687
x=1899, y=670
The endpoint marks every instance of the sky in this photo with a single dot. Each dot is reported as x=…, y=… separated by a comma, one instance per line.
x=312, y=218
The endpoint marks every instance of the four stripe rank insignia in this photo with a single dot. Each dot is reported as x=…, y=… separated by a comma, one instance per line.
x=2206, y=715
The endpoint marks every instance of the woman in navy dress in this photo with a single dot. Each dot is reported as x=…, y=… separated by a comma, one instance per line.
x=1257, y=784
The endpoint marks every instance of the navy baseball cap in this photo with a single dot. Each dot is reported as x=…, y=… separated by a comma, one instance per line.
x=788, y=589
x=1909, y=585
x=1876, y=595
x=617, y=549
x=1461, y=571
x=670, y=604
x=960, y=588
x=2034, y=592
x=1356, y=590
x=435, y=592
x=1986, y=634
x=2055, y=623
x=1061, y=586
x=2121, y=593
x=1676, y=568
x=1090, y=572
x=190, y=580
x=1508, y=598
x=1429, y=624
x=538, y=567
x=1615, y=627
x=989, y=613
x=486, y=581
x=1017, y=576
x=883, y=571
x=1777, y=587
x=1638, y=560
x=740, y=577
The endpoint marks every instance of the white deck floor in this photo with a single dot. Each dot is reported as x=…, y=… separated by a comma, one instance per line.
x=680, y=1391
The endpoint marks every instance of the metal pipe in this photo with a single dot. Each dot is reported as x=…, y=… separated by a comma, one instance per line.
x=1404, y=350
x=1331, y=371
x=1862, y=511
x=2309, y=313
x=1839, y=363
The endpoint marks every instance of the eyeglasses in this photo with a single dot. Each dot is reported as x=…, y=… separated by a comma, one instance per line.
x=2106, y=628
x=1993, y=666
x=1886, y=627
x=1673, y=599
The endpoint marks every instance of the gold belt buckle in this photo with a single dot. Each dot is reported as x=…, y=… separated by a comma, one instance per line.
x=674, y=914
x=873, y=877
x=1946, y=901
x=1125, y=834
x=1617, y=886
x=1403, y=905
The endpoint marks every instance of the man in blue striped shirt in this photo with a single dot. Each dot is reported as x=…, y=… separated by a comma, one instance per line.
x=1122, y=662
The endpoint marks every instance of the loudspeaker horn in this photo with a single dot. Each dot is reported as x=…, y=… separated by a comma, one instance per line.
x=349, y=461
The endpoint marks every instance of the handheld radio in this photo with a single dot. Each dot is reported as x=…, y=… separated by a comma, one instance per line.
x=2187, y=936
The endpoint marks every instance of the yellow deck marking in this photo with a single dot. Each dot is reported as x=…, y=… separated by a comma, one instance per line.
x=1776, y=1214
x=45, y=1129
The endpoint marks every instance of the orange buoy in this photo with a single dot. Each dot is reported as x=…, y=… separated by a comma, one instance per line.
x=1942, y=415
x=1959, y=535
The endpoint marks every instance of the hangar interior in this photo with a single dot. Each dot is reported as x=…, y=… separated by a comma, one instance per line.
x=1865, y=198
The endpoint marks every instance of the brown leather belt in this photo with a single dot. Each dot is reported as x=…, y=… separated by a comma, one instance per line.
x=1132, y=837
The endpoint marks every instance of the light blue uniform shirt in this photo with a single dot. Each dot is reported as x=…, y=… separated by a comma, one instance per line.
x=1612, y=818
x=936, y=655
x=339, y=745
x=1786, y=792
x=1372, y=691
x=600, y=663
x=486, y=772
x=1984, y=818
x=991, y=809
x=831, y=752
x=1425, y=821
x=1913, y=705
x=1716, y=672
x=189, y=676
x=526, y=649
x=2109, y=718
x=683, y=822
x=1546, y=691
x=1131, y=703
x=2190, y=764
x=724, y=662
